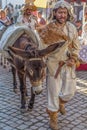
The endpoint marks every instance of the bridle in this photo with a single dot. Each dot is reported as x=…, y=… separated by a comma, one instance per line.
x=36, y=58
x=28, y=47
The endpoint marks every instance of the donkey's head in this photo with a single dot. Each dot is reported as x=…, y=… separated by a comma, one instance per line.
x=35, y=64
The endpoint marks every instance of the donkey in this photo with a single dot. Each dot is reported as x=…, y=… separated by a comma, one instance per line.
x=29, y=61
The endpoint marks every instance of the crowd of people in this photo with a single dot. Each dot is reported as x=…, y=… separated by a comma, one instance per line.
x=22, y=14
x=10, y=12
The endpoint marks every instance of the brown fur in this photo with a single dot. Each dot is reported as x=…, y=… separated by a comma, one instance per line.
x=51, y=34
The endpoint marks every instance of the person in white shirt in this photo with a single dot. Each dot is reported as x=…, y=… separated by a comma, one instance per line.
x=27, y=17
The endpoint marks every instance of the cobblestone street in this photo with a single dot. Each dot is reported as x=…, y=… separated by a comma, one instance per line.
x=11, y=117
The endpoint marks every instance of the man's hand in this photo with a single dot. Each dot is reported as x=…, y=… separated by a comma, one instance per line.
x=70, y=62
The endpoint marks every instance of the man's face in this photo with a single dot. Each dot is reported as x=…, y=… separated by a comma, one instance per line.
x=2, y=15
x=78, y=24
x=39, y=15
x=61, y=15
x=28, y=11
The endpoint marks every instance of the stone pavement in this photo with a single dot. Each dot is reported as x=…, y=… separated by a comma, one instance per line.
x=11, y=117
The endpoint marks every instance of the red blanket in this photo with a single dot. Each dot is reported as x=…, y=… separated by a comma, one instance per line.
x=82, y=67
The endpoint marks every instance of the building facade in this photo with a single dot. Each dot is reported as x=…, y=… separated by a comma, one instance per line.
x=3, y=3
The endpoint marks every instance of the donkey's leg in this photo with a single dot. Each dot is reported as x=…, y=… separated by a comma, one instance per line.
x=4, y=62
x=14, y=79
x=32, y=99
x=0, y=58
x=22, y=89
x=26, y=87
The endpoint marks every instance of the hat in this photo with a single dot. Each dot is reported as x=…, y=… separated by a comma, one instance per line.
x=64, y=4
x=29, y=4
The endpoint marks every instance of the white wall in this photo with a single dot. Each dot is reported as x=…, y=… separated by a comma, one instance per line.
x=14, y=2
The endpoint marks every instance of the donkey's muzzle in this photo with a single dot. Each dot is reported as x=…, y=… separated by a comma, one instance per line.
x=37, y=89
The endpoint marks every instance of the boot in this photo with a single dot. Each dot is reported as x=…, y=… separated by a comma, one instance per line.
x=62, y=106
x=53, y=119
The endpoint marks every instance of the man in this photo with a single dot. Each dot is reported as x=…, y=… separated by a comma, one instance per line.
x=27, y=17
x=61, y=64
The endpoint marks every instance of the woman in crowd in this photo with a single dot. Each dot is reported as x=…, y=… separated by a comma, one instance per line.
x=4, y=19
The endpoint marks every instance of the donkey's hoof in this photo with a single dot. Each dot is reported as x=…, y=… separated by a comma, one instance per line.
x=27, y=97
x=26, y=94
x=29, y=109
x=4, y=66
x=23, y=110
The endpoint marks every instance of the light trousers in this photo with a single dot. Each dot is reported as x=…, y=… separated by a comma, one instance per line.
x=64, y=86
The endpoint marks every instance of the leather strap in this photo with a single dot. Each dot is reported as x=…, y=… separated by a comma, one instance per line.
x=61, y=63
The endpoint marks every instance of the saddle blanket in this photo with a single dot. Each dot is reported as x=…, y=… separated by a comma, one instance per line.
x=13, y=32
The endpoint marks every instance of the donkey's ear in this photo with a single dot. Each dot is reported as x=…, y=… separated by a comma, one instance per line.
x=50, y=49
x=20, y=52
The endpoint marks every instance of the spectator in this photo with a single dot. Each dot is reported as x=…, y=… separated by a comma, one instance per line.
x=9, y=9
x=41, y=20
x=27, y=17
x=16, y=14
x=78, y=24
x=4, y=22
x=84, y=34
x=85, y=16
x=4, y=19
x=81, y=15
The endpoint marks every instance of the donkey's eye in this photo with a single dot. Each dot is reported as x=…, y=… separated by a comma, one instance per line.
x=31, y=72
x=42, y=70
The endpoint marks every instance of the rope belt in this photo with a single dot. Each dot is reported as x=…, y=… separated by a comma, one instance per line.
x=61, y=63
x=36, y=58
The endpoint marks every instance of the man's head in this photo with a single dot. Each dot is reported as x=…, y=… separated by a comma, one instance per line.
x=39, y=14
x=28, y=8
x=78, y=23
x=62, y=11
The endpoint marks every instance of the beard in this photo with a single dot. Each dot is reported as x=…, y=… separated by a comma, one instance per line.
x=28, y=13
x=61, y=20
